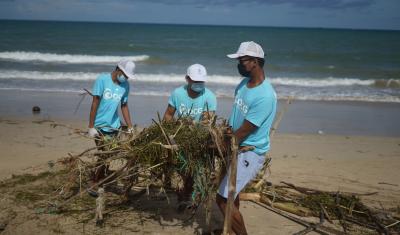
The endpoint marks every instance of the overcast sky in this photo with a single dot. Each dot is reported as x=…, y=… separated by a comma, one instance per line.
x=360, y=14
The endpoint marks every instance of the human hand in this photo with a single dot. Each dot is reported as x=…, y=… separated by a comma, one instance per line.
x=92, y=132
x=227, y=134
x=131, y=130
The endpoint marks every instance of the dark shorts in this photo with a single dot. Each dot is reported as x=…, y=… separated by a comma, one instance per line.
x=109, y=133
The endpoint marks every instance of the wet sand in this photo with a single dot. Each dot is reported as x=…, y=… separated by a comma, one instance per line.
x=310, y=117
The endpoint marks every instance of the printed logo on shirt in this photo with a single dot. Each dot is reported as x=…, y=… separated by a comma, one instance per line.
x=242, y=106
x=193, y=112
x=108, y=95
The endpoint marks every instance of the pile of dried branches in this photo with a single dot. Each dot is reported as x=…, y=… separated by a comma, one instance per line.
x=345, y=209
x=160, y=155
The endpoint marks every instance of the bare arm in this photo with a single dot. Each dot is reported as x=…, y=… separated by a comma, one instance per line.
x=126, y=114
x=93, y=110
x=244, y=130
x=169, y=113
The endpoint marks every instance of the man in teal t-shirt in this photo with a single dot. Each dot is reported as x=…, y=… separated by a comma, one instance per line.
x=192, y=99
x=111, y=95
x=109, y=92
x=196, y=101
x=252, y=115
x=256, y=105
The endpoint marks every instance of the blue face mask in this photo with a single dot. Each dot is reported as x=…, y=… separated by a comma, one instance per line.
x=121, y=78
x=198, y=87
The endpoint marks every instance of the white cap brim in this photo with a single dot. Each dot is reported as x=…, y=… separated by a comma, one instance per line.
x=233, y=56
x=198, y=78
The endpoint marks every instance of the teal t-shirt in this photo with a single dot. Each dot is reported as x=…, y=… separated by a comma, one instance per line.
x=185, y=105
x=258, y=106
x=111, y=95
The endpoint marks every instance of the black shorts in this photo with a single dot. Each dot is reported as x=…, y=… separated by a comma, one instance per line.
x=109, y=133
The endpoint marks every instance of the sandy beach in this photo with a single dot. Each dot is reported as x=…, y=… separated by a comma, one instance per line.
x=328, y=162
x=333, y=162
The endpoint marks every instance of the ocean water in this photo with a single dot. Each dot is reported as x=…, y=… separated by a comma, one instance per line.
x=308, y=64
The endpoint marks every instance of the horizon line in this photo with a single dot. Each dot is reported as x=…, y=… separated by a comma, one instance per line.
x=198, y=24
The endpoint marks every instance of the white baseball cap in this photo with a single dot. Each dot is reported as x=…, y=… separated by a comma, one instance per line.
x=197, y=72
x=248, y=48
x=128, y=67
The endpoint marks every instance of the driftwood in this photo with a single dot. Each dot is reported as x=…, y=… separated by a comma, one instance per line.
x=288, y=207
x=100, y=207
x=315, y=191
x=319, y=229
x=231, y=188
x=332, y=206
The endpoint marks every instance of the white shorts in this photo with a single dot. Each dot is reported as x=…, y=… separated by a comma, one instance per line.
x=248, y=165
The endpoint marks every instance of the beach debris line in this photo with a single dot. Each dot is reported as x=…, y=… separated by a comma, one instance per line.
x=342, y=210
x=319, y=211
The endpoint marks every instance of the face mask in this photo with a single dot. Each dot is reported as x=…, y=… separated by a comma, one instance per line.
x=242, y=70
x=197, y=87
x=121, y=78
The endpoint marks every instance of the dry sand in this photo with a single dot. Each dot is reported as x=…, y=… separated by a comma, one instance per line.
x=346, y=163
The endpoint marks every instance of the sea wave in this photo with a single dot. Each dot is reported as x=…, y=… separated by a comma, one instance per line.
x=325, y=82
x=216, y=79
x=80, y=91
x=380, y=99
x=304, y=97
x=23, y=56
x=38, y=75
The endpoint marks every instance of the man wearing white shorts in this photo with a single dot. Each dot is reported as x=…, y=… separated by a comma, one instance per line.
x=251, y=119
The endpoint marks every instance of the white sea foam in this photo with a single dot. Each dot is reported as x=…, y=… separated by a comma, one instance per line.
x=335, y=88
x=370, y=98
x=42, y=90
x=82, y=76
x=37, y=75
x=151, y=93
x=179, y=78
x=298, y=96
x=24, y=56
x=325, y=82
x=304, y=97
x=80, y=91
